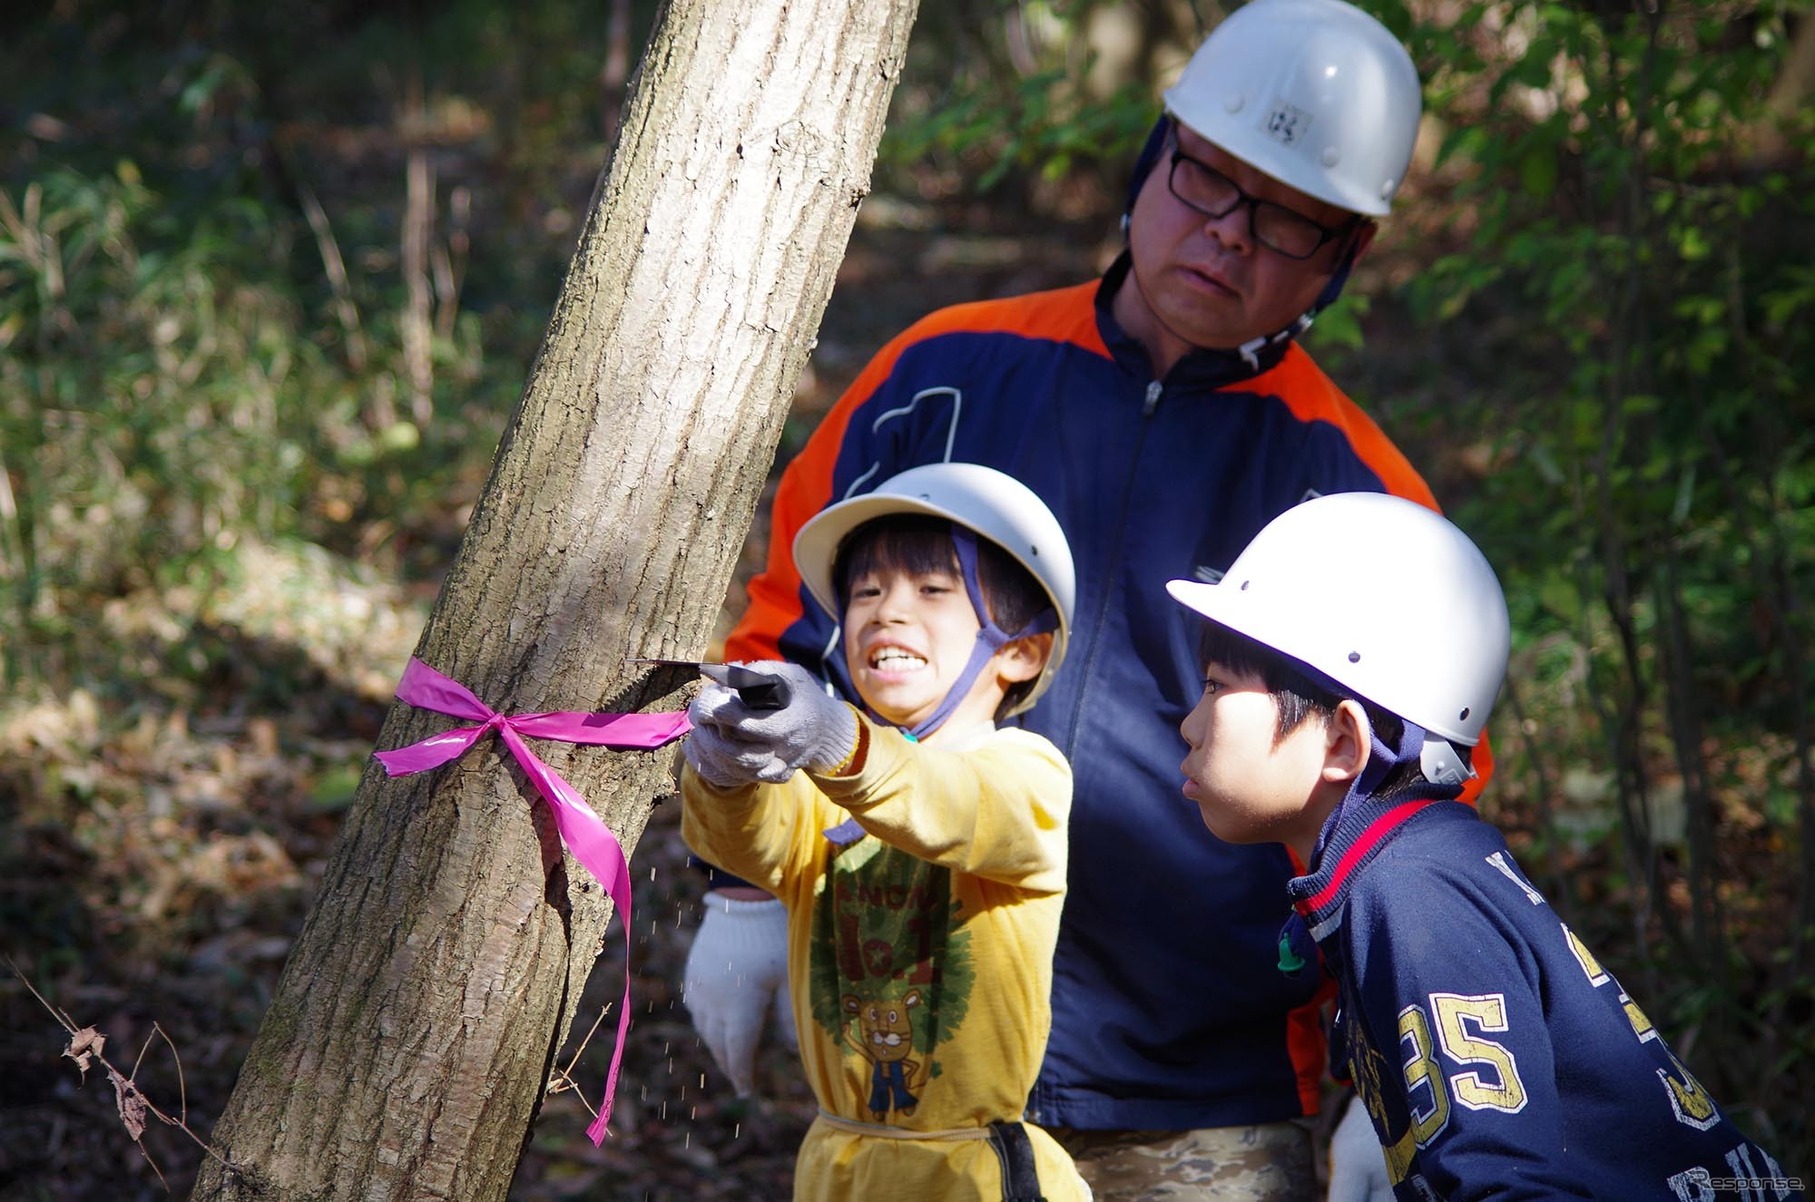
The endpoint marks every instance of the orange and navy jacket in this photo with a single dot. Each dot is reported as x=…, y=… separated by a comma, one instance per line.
x=1169, y=1010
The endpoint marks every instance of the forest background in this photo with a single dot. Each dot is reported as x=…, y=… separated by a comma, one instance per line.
x=271, y=280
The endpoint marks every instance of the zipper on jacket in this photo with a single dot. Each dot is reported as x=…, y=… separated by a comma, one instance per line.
x=1095, y=622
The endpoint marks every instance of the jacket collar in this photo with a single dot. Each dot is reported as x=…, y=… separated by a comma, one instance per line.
x=1361, y=826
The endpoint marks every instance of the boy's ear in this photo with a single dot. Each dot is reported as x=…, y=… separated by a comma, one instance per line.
x=1348, y=743
x=1023, y=658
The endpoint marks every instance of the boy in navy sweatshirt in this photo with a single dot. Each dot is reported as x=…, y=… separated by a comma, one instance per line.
x=1495, y=1055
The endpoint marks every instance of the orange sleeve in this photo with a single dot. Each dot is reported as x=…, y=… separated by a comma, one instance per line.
x=1313, y=397
x=805, y=487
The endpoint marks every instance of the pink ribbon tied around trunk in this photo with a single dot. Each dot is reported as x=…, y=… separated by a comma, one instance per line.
x=583, y=831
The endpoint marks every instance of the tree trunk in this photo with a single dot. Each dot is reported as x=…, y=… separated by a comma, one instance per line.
x=406, y=1050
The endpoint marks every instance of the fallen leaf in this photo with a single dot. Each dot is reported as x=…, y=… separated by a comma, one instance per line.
x=84, y=1046
x=131, y=1103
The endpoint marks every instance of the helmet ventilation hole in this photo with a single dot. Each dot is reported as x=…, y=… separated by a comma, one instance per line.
x=1463, y=716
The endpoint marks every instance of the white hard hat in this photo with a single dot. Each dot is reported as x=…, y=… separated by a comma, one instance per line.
x=989, y=503
x=1381, y=595
x=1315, y=93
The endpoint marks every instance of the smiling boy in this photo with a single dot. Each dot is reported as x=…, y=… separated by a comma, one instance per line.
x=1495, y=1055
x=919, y=849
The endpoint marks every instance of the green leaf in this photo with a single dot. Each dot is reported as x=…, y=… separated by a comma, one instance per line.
x=1538, y=173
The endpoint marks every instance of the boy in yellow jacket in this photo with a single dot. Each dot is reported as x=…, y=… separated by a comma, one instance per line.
x=920, y=849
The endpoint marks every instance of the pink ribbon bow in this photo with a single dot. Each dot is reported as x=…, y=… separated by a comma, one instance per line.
x=584, y=833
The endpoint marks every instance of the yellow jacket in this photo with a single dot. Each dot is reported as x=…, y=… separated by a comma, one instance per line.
x=923, y=895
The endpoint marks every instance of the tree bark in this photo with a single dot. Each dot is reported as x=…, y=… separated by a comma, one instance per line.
x=406, y=1050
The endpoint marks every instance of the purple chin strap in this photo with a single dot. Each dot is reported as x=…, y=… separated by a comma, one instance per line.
x=991, y=638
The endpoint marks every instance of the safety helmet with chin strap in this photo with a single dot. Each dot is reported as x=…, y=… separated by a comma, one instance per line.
x=1314, y=93
x=1381, y=596
x=981, y=503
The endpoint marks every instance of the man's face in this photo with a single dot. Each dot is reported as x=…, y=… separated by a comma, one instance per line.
x=1204, y=281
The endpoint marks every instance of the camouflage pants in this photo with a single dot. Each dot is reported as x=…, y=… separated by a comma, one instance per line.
x=1268, y=1163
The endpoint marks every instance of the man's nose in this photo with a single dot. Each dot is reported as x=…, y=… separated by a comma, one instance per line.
x=1234, y=229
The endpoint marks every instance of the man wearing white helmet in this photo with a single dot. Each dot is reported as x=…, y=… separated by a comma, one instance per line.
x=919, y=850
x=1164, y=413
x=1495, y=1056
x=1288, y=132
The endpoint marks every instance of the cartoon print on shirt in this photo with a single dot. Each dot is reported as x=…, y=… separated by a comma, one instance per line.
x=885, y=1036
x=890, y=969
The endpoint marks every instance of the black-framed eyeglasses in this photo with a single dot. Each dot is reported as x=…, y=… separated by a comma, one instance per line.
x=1203, y=188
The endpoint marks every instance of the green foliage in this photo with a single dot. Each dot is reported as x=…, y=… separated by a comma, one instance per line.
x=1648, y=505
x=143, y=376
x=1037, y=125
x=159, y=389
x=189, y=356
x=1012, y=99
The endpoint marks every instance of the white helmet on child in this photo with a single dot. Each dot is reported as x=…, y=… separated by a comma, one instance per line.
x=1430, y=646
x=1315, y=93
x=989, y=503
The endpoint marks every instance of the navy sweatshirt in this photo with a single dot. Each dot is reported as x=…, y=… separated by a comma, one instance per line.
x=1496, y=1056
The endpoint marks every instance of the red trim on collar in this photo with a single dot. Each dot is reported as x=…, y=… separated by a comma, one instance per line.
x=1358, y=850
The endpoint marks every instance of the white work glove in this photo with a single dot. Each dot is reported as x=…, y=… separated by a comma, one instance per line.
x=715, y=758
x=811, y=731
x=736, y=970
x=1357, y=1162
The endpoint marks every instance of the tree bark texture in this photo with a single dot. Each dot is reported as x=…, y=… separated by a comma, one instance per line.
x=407, y=1048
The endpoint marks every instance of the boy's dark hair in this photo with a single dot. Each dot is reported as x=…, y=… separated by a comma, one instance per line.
x=1298, y=696
x=918, y=543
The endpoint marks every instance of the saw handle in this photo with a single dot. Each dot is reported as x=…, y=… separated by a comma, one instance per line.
x=758, y=690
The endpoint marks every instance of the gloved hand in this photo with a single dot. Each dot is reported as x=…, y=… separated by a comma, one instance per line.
x=812, y=731
x=1357, y=1163
x=736, y=969
x=716, y=757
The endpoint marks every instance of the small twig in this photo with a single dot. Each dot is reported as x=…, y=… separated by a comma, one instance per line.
x=182, y=1085
x=345, y=309
x=86, y=1044
x=563, y=1077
